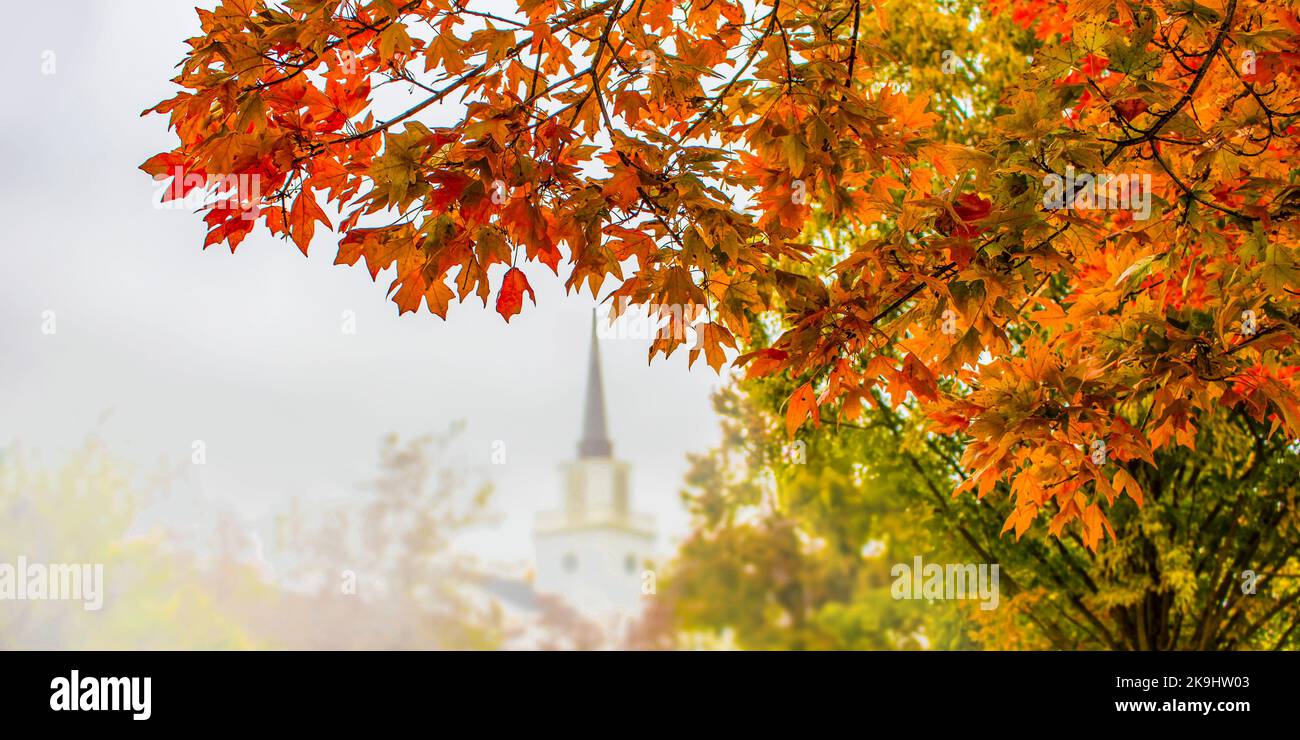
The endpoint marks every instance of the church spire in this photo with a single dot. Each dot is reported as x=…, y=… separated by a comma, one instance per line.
x=595, y=438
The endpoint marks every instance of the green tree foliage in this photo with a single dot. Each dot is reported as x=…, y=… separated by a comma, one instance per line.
x=791, y=554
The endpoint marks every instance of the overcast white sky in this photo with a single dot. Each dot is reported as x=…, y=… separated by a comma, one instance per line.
x=245, y=352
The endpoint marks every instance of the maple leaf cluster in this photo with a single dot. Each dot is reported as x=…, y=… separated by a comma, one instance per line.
x=697, y=155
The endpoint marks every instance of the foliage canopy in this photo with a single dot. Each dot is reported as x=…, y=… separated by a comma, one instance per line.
x=770, y=164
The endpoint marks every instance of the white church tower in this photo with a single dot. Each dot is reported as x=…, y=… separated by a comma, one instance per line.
x=593, y=551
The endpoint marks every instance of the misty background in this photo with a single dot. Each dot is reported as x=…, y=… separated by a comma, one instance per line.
x=159, y=344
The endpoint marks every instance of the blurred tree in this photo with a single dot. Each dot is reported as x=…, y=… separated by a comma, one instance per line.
x=793, y=543
x=378, y=572
x=80, y=513
x=381, y=568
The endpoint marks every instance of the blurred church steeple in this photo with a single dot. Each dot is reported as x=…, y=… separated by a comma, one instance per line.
x=592, y=551
x=595, y=437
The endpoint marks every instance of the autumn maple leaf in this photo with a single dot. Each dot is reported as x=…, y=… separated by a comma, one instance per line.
x=970, y=208
x=510, y=300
